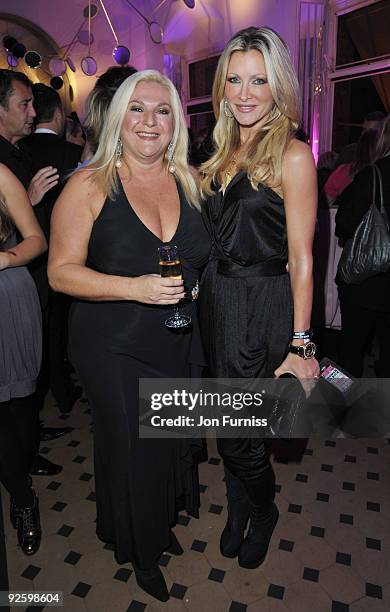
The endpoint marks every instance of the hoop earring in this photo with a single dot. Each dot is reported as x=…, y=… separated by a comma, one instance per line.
x=227, y=110
x=171, y=161
x=118, y=154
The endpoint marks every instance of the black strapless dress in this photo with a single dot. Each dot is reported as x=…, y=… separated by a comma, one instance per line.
x=140, y=483
x=245, y=298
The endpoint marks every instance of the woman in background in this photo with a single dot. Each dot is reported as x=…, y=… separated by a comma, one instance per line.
x=20, y=356
x=97, y=104
x=365, y=308
x=261, y=192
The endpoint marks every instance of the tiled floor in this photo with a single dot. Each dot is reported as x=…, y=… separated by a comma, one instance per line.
x=330, y=550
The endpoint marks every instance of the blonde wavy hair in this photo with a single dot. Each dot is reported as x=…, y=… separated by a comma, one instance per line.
x=102, y=165
x=263, y=163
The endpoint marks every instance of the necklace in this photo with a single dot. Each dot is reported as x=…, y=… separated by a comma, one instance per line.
x=230, y=171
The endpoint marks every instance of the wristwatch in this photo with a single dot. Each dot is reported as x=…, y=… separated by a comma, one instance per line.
x=306, y=351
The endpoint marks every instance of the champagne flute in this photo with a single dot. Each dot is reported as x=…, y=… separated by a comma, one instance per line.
x=170, y=267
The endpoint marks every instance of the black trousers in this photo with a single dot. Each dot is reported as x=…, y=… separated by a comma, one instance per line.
x=19, y=442
x=248, y=470
x=359, y=327
x=55, y=372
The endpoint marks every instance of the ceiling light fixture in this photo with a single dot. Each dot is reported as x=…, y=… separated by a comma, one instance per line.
x=156, y=32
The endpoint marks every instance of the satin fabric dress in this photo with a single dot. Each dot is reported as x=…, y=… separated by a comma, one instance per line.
x=141, y=484
x=246, y=314
x=246, y=300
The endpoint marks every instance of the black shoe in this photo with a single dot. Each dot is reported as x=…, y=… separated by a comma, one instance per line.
x=65, y=406
x=255, y=546
x=152, y=582
x=175, y=546
x=44, y=467
x=29, y=527
x=13, y=514
x=51, y=433
x=232, y=535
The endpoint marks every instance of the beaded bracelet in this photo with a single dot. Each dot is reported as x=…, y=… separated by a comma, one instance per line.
x=302, y=335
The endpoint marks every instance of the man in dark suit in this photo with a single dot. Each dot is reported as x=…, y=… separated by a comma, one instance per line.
x=47, y=147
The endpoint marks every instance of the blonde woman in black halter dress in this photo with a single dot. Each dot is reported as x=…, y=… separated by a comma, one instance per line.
x=136, y=194
x=260, y=209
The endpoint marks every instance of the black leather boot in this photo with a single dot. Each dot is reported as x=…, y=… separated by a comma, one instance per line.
x=255, y=546
x=263, y=518
x=232, y=535
x=29, y=527
x=152, y=582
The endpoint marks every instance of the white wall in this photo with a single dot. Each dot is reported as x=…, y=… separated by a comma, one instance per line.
x=190, y=33
x=207, y=27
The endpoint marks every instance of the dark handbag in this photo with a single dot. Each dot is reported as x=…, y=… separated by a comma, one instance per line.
x=368, y=252
x=286, y=417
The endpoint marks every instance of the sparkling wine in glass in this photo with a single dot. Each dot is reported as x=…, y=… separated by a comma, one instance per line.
x=170, y=267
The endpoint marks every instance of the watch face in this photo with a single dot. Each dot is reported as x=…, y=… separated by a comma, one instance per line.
x=309, y=350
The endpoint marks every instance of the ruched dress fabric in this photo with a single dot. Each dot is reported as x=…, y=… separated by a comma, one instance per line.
x=246, y=300
x=141, y=484
x=20, y=331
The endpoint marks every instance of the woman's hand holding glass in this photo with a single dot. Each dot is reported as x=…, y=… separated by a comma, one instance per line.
x=153, y=289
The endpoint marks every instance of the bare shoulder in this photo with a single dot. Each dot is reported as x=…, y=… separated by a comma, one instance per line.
x=81, y=191
x=6, y=176
x=10, y=186
x=297, y=152
x=82, y=181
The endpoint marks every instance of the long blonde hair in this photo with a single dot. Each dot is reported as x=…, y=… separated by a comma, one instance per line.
x=102, y=165
x=263, y=163
x=6, y=223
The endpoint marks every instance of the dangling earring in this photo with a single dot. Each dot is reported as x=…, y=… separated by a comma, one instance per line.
x=171, y=161
x=118, y=154
x=227, y=110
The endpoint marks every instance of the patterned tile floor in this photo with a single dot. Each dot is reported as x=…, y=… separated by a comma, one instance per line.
x=330, y=550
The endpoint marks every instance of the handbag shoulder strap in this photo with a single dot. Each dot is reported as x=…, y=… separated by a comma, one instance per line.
x=378, y=179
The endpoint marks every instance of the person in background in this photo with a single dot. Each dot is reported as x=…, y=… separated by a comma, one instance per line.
x=353, y=159
x=261, y=201
x=97, y=104
x=74, y=132
x=17, y=121
x=325, y=165
x=365, y=307
x=20, y=356
x=47, y=147
x=372, y=121
x=365, y=152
